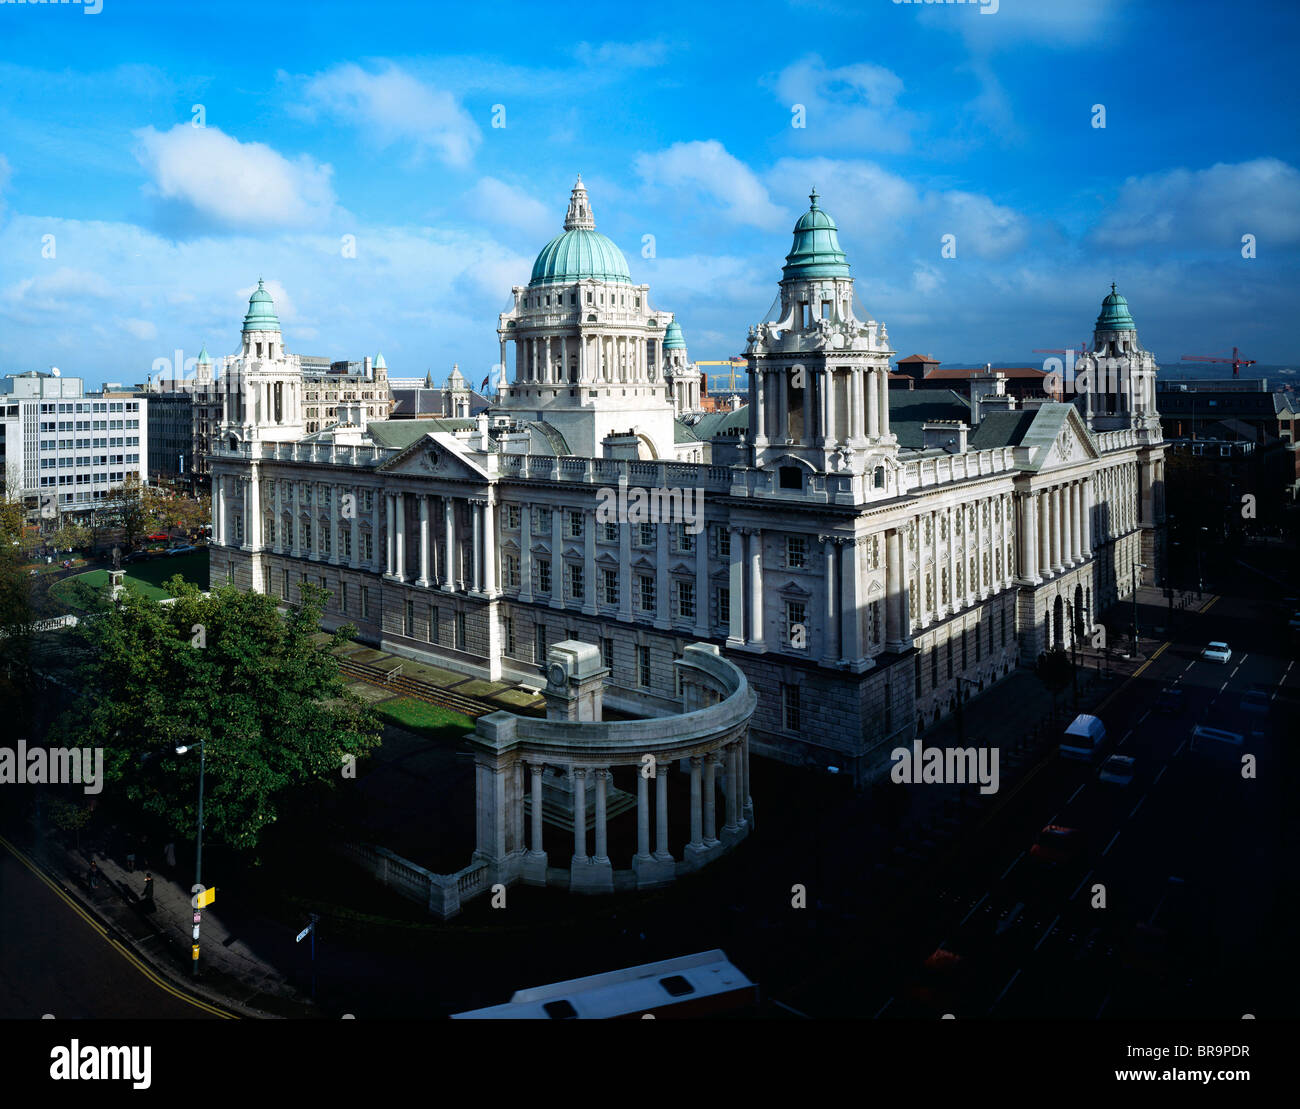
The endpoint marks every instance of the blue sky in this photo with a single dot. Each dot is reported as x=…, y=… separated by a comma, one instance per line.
x=375, y=121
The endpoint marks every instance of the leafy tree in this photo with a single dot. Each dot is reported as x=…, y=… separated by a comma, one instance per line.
x=1055, y=671
x=71, y=535
x=17, y=610
x=227, y=669
x=126, y=507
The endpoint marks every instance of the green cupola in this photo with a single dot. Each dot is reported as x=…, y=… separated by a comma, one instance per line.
x=1115, y=315
x=581, y=252
x=205, y=359
x=673, y=338
x=261, y=312
x=816, y=251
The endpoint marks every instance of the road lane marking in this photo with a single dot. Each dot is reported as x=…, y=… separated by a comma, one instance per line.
x=1154, y=655
x=103, y=931
x=1161, y=774
x=1013, y=865
x=1143, y=717
x=1052, y=819
x=1082, y=882
x=1136, y=807
x=1076, y=793
x=1048, y=932
x=1004, y=990
x=973, y=908
x=1111, y=843
x=1208, y=605
x=885, y=1006
x=805, y=1016
x=1223, y=687
x=1178, y=749
x=1126, y=735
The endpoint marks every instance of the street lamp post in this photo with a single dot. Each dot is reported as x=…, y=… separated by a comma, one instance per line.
x=1136, y=567
x=198, y=854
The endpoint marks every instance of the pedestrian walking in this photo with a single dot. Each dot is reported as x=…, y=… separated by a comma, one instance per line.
x=93, y=876
x=148, y=891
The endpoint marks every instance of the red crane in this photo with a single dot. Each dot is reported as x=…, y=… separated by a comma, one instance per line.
x=1236, y=360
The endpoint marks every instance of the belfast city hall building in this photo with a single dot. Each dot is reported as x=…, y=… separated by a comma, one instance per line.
x=859, y=552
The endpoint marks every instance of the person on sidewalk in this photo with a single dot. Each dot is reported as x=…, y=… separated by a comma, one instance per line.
x=147, y=898
x=93, y=876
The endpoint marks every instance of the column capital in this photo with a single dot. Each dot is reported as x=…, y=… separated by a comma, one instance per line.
x=579, y=771
x=697, y=760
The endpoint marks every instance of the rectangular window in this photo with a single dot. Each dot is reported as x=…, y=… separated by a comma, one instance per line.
x=607, y=653
x=724, y=607
x=577, y=586
x=542, y=520
x=460, y=631
x=512, y=516
x=284, y=586
x=345, y=542
x=643, y=667
x=434, y=624
x=343, y=597
x=646, y=584
x=512, y=571
x=611, y=532
x=724, y=542
x=646, y=535
x=610, y=583
x=685, y=540
x=686, y=600
x=575, y=524
x=543, y=575
x=796, y=552
x=365, y=603
x=796, y=625
x=539, y=644
x=790, y=715
x=510, y=635
x=367, y=546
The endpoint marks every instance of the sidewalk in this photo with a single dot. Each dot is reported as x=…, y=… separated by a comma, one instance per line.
x=231, y=974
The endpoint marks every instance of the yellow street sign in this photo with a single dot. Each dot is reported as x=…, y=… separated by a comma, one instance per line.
x=206, y=897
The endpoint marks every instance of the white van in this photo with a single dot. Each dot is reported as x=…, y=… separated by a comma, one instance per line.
x=1083, y=739
x=1214, y=739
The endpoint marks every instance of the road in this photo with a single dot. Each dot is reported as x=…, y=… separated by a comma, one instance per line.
x=57, y=959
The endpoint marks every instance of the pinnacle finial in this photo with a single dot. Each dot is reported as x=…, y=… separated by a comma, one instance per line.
x=812, y=196
x=1112, y=288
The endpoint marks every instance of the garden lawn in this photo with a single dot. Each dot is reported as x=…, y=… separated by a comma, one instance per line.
x=147, y=577
x=433, y=721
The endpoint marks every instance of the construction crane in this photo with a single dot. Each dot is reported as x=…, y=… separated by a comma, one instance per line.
x=1236, y=360
x=732, y=362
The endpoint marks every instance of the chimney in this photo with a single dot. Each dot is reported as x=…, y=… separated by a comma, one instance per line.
x=985, y=387
x=368, y=369
x=947, y=435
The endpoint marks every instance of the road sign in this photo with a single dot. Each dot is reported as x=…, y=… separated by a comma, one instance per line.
x=198, y=918
x=194, y=952
x=206, y=897
x=303, y=934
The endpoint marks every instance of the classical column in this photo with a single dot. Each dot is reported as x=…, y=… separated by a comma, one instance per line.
x=760, y=402
x=377, y=498
x=825, y=383
x=389, y=532
x=449, y=522
x=525, y=552
x=702, y=628
x=579, y=815
x=855, y=404
x=423, y=579
x=354, y=527
x=589, y=561
x=1067, y=524
x=602, y=844
x=954, y=601
x=1044, y=533
x=1057, y=564
x=882, y=399
x=399, y=507
x=736, y=628
x=873, y=409
x=663, y=602
x=732, y=790
x=476, y=560
x=850, y=617
x=642, y=814
x=537, y=769
x=830, y=622
x=756, y=586
x=896, y=633
x=661, y=811
x=697, y=815
x=807, y=436
x=781, y=384
x=1086, y=516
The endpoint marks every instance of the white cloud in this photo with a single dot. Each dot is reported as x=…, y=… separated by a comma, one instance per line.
x=141, y=329
x=851, y=106
x=1207, y=207
x=392, y=106
x=492, y=201
x=240, y=185
x=622, y=55
x=705, y=169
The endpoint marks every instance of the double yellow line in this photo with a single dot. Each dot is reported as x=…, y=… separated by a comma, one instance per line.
x=102, y=931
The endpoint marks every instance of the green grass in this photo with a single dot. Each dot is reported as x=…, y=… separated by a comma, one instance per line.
x=425, y=719
x=146, y=577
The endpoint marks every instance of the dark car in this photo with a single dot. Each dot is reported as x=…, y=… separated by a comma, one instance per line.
x=1170, y=701
x=1058, y=844
x=182, y=550
x=136, y=556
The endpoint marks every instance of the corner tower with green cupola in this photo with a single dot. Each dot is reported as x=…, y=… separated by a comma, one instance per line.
x=819, y=372
x=1115, y=383
x=263, y=383
x=590, y=354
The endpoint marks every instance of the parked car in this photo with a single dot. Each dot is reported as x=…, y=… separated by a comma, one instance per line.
x=1058, y=844
x=1117, y=769
x=136, y=556
x=1217, y=652
x=1170, y=701
x=1255, y=701
x=182, y=550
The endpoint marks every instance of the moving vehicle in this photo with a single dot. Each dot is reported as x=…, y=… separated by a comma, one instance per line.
x=182, y=550
x=1083, y=739
x=704, y=984
x=1213, y=740
x=1170, y=701
x=1058, y=844
x=1117, y=769
x=1217, y=652
x=938, y=986
x=1255, y=702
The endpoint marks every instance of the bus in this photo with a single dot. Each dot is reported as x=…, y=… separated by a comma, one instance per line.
x=701, y=985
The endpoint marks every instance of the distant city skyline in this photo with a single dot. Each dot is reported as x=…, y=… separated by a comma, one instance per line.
x=152, y=171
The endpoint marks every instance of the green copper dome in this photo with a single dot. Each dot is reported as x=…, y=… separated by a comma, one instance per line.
x=816, y=251
x=204, y=358
x=581, y=252
x=673, y=339
x=1115, y=314
x=261, y=312
x=578, y=255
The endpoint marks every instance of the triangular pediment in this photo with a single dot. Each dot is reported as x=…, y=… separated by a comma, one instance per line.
x=1058, y=438
x=436, y=455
